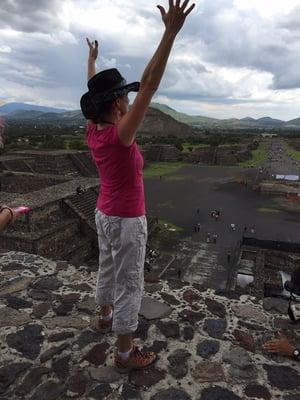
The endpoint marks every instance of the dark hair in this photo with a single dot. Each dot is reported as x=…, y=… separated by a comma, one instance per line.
x=105, y=109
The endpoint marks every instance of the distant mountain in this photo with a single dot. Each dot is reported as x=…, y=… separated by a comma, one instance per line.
x=293, y=123
x=57, y=117
x=12, y=107
x=185, y=118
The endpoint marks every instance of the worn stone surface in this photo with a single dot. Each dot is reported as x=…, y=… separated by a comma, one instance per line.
x=215, y=327
x=276, y=305
x=178, y=367
x=153, y=309
x=17, y=302
x=146, y=377
x=27, y=341
x=153, y=287
x=208, y=348
x=87, y=337
x=57, y=337
x=130, y=393
x=190, y=362
x=11, y=317
x=97, y=355
x=188, y=333
x=40, y=310
x=244, y=339
x=87, y=305
x=208, y=372
x=191, y=296
x=257, y=391
x=70, y=298
x=171, y=394
x=31, y=380
x=191, y=316
x=41, y=295
x=218, y=393
x=169, y=328
x=14, y=285
x=77, y=383
x=249, y=312
x=157, y=346
x=66, y=322
x=61, y=366
x=104, y=374
x=100, y=392
x=241, y=365
x=47, y=283
x=168, y=298
x=216, y=308
x=10, y=372
x=283, y=377
x=63, y=309
x=48, y=354
x=49, y=390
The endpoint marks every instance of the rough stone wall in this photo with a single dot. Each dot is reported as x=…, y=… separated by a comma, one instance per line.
x=25, y=183
x=161, y=152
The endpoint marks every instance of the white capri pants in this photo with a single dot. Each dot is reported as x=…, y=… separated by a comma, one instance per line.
x=120, y=281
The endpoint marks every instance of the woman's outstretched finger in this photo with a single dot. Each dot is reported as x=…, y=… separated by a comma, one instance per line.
x=171, y=3
x=185, y=3
x=189, y=9
x=162, y=10
x=177, y=3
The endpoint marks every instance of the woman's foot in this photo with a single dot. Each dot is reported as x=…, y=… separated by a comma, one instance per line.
x=103, y=326
x=135, y=360
x=103, y=323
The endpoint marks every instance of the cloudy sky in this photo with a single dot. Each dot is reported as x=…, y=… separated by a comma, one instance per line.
x=233, y=58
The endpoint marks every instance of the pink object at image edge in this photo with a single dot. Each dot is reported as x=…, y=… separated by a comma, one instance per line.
x=21, y=210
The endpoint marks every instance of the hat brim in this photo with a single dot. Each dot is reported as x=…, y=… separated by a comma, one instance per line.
x=114, y=94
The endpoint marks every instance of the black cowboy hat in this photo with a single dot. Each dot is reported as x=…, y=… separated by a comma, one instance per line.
x=293, y=285
x=105, y=86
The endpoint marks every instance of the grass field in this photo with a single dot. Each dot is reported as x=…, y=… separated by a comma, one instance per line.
x=291, y=152
x=258, y=157
x=186, y=146
x=155, y=170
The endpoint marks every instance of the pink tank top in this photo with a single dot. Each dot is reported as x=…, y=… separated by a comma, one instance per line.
x=120, y=171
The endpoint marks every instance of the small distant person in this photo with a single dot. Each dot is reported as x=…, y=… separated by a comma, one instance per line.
x=208, y=238
x=79, y=190
x=228, y=256
x=198, y=227
x=195, y=229
x=245, y=228
x=179, y=273
x=233, y=227
x=252, y=230
x=215, y=237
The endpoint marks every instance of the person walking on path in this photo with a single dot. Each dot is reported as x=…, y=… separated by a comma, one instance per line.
x=120, y=211
x=228, y=256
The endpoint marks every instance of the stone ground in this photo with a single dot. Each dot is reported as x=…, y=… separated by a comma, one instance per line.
x=209, y=343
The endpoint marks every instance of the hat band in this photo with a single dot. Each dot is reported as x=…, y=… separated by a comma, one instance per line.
x=103, y=96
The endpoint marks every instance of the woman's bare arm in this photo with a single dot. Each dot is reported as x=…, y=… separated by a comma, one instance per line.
x=173, y=21
x=93, y=54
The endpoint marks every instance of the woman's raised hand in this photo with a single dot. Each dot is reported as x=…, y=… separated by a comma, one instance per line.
x=93, y=46
x=175, y=17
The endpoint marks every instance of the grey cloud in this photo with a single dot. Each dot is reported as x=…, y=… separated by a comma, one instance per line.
x=31, y=15
x=229, y=37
